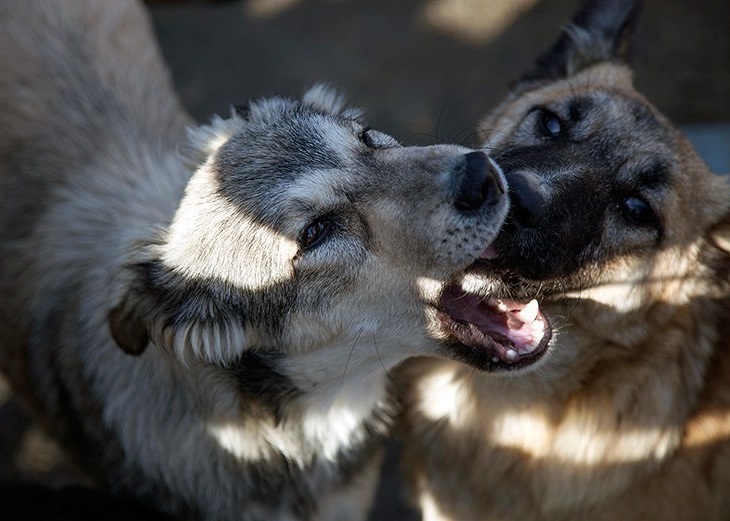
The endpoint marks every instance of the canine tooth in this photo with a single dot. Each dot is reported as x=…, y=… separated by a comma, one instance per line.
x=529, y=312
x=511, y=354
x=501, y=306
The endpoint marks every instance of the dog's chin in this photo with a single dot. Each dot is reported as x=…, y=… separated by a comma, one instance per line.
x=492, y=333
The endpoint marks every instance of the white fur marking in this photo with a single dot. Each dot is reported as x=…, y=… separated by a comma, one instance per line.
x=336, y=423
x=331, y=422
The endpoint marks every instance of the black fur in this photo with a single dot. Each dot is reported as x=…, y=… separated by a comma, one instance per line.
x=261, y=382
x=159, y=295
x=610, y=25
x=563, y=188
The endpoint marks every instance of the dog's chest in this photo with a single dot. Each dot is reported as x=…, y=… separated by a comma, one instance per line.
x=314, y=446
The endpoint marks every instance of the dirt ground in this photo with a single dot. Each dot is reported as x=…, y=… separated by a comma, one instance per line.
x=428, y=69
x=425, y=71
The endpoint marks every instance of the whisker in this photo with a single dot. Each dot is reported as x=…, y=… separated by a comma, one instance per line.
x=352, y=350
x=375, y=343
x=438, y=121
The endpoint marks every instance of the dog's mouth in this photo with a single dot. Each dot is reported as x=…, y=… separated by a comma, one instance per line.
x=494, y=333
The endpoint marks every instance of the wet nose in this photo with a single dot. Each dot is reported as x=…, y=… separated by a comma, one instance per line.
x=528, y=197
x=482, y=182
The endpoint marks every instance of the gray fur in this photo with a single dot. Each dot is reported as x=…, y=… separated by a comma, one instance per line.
x=258, y=389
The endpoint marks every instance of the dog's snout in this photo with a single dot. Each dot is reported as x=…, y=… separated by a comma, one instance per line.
x=481, y=182
x=529, y=198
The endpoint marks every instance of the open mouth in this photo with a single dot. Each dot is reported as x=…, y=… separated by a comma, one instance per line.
x=494, y=333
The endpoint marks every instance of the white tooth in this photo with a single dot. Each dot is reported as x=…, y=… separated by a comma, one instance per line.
x=529, y=312
x=537, y=325
x=501, y=306
x=511, y=354
x=536, y=339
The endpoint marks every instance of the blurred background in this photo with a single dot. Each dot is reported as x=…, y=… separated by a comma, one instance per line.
x=425, y=71
x=429, y=70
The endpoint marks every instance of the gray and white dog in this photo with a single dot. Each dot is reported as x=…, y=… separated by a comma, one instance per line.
x=267, y=276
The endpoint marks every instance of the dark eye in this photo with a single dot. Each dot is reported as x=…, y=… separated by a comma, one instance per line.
x=549, y=124
x=365, y=138
x=638, y=211
x=315, y=233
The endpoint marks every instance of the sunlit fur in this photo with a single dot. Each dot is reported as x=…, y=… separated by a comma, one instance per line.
x=629, y=416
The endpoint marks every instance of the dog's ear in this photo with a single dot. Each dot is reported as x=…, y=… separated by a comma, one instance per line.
x=183, y=316
x=600, y=31
x=205, y=140
x=327, y=99
x=159, y=304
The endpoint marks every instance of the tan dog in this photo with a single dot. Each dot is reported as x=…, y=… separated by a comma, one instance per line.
x=623, y=235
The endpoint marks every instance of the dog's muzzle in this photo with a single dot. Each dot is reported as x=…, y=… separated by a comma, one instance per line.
x=482, y=182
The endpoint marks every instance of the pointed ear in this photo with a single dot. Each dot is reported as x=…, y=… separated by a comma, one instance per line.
x=600, y=31
x=327, y=99
x=205, y=140
x=185, y=317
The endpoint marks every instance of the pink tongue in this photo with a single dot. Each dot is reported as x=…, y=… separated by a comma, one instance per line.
x=518, y=328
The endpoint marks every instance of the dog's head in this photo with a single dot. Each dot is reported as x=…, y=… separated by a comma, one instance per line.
x=615, y=221
x=305, y=233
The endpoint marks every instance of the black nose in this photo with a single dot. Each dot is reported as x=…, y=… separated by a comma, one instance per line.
x=481, y=182
x=529, y=197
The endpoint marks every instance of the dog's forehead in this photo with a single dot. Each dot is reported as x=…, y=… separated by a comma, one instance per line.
x=605, y=106
x=284, y=145
x=286, y=161
x=601, y=106
x=276, y=151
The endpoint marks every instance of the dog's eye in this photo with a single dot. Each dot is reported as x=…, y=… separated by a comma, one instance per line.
x=638, y=211
x=365, y=138
x=549, y=124
x=315, y=233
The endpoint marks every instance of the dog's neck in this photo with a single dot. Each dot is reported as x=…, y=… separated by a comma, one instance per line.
x=335, y=420
x=342, y=417
x=346, y=407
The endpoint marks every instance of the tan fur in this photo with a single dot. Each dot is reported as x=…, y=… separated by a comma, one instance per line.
x=628, y=416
